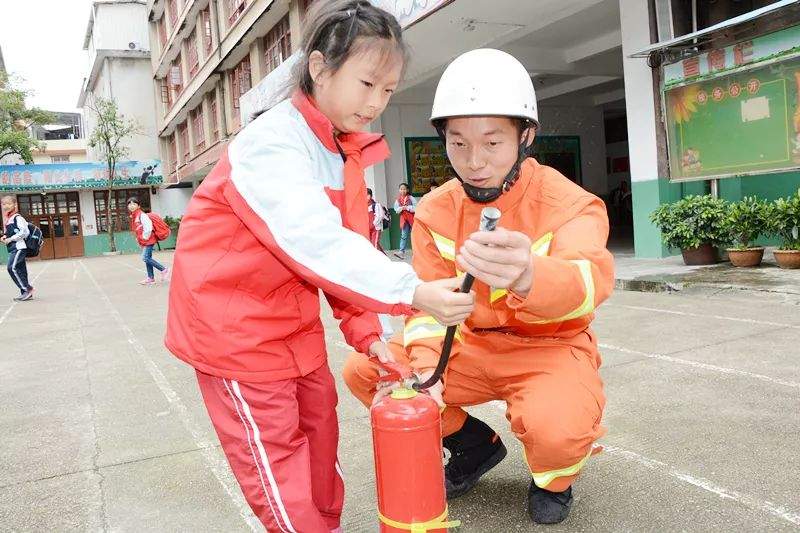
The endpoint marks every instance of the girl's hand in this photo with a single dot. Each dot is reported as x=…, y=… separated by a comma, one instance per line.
x=381, y=350
x=440, y=300
x=500, y=259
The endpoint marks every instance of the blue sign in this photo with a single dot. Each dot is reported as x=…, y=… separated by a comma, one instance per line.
x=59, y=176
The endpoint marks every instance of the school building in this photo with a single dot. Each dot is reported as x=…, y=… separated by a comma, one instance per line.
x=642, y=102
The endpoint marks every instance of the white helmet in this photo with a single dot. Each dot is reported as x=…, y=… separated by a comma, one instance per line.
x=485, y=82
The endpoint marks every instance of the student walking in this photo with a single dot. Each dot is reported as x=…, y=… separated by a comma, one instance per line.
x=142, y=227
x=16, y=231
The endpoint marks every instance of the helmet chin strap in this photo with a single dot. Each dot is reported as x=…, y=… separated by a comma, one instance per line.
x=484, y=195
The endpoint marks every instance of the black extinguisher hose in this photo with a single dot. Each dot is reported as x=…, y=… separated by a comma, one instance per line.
x=489, y=218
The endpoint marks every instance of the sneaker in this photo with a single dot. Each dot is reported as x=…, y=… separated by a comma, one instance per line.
x=470, y=452
x=27, y=295
x=147, y=281
x=400, y=255
x=165, y=274
x=545, y=507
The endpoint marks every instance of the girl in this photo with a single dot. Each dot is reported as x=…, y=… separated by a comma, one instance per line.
x=377, y=214
x=282, y=216
x=405, y=205
x=142, y=227
x=16, y=231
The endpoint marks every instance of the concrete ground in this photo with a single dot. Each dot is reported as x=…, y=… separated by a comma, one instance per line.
x=102, y=430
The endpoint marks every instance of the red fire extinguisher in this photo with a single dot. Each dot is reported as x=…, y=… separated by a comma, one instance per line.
x=407, y=442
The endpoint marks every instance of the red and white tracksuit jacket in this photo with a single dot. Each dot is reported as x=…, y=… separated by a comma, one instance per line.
x=260, y=237
x=141, y=225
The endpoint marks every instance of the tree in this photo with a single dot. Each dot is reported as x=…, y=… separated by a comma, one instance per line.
x=15, y=119
x=108, y=137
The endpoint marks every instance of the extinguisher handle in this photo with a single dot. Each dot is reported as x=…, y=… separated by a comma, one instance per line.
x=394, y=371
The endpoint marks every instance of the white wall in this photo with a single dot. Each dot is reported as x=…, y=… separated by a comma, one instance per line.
x=89, y=220
x=586, y=122
x=171, y=202
x=129, y=82
x=116, y=25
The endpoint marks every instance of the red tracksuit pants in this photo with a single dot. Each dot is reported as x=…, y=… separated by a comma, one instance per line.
x=280, y=438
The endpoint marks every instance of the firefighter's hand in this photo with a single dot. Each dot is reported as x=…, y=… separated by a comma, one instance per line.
x=441, y=300
x=499, y=258
x=381, y=350
x=436, y=390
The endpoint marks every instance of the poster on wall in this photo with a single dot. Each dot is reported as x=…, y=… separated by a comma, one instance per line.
x=60, y=176
x=738, y=123
x=426, y=162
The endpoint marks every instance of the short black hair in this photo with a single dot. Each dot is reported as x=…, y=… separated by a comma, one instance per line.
x=406, y=185
x=133, y=200
x=369, y=191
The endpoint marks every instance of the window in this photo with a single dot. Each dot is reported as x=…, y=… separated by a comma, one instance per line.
x=191, y=54
x=183, y=135
x=162, y=31
x=166, y=95
x=119, y=208
x=235, y=10
x=240, y=80
x=198, y=128
x=59, y=159
x=172, y=151
x=172, y=11
x=214, y=120
x=176, y=77
x=205, y=17
x=277, y=45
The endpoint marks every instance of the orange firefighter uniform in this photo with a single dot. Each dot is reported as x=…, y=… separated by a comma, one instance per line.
x=535, y=353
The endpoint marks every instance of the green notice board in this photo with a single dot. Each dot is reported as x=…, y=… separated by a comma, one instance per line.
x=745, y=122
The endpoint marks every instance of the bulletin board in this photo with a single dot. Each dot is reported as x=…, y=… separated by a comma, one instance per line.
x=426, y=161
x=734, y=124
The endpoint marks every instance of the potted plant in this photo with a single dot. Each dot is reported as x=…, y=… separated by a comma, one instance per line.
x=784, y=222
x=695, y=226
x=744, y=221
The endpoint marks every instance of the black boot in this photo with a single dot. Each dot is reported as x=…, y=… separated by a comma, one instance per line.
x=469, y=453
x=547, y=507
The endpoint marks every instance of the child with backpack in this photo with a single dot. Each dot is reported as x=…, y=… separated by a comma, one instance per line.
x=281, y=218
x=16, y=231
x=379, y=222
x=147, y=236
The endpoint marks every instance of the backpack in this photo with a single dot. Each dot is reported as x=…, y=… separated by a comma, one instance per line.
x=387, y=218
x=33, y=242
x=160, y=228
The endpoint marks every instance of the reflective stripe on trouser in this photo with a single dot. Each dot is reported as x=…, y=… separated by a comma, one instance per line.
x=18, y=269
x=553, y=392
x=280, y=439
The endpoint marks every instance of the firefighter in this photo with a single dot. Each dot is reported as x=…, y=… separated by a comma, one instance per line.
x=539, y=278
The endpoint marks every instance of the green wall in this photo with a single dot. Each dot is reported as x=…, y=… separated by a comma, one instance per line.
x=648, y=195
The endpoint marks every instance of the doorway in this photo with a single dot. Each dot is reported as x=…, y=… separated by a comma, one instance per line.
x=58, y=215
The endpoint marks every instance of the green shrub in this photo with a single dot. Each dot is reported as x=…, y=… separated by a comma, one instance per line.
x=692, y=221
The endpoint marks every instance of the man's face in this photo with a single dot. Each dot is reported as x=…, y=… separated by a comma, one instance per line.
x=483, y=150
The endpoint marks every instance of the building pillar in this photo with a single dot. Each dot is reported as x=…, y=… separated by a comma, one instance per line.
x=647, y=146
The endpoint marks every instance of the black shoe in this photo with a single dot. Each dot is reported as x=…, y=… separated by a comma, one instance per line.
x=470, y=452
x=547, y=507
